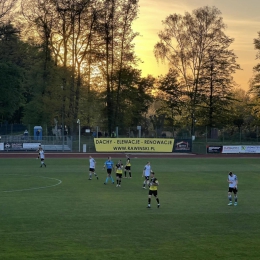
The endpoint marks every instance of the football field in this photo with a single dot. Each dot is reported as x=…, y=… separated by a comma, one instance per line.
x=57, y=213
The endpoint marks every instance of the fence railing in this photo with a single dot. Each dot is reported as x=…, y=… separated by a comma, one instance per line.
x=204, y=137
x=29, y=143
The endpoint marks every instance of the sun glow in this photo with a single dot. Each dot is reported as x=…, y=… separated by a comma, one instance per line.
x=242, y=26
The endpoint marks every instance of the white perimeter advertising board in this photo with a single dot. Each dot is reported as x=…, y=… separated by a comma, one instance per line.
x=241, y=149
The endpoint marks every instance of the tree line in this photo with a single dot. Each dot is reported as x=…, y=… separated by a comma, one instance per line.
x=63, y=60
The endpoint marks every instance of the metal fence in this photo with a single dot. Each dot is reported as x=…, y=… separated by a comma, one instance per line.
x=203, y=137
x=10, y=129
x=29, y=143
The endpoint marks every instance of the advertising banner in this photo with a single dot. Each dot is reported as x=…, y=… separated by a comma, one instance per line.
x=31, y=146
x=250, y=149
x=241, y=149
x=138, y=145
x=182, y=146
x=16, y=146
x=231, y=149
x=2, y=146
x=214, y=149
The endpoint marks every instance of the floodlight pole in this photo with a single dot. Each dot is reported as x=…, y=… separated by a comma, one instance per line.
x=78, y=121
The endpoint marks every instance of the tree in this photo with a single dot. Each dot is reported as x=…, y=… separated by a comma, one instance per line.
x=11, y=90
x=116, y=51
x=185, y=43
x=11, y=72
x=255, y=82
x=83, y=37
x=242, y=112
x=171, y=96
x=5, y=8
x=217, y=83
x=64, y=32
x=135, y=97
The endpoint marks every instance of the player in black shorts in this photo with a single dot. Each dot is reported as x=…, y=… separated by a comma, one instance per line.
x=128, y=167
x=153, y=190
x=119, y=172
x=232, y=188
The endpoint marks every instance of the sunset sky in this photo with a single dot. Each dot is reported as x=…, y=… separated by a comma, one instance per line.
x=241, y=17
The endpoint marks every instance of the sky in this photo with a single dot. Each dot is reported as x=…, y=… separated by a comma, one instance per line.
x=242, y=18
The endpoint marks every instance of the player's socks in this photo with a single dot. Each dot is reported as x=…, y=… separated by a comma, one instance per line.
x=112, y=179
x=107, y=179
x=130, y=174
x=230, y=198
x=157, y=199
x=125, y=174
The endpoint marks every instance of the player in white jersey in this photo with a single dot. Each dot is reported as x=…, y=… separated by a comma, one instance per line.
x=146, y=174
x=92, y=166
x=38, y=151
x=232, y=187
x=42, y=157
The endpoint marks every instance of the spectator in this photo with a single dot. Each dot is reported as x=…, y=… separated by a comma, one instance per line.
x=66, y=132
x=163, y=135
x=26, y=133
x=113, y=135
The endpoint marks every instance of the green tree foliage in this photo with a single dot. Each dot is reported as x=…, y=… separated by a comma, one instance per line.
x=171, y=97
x=135, y=97
x=63, y=29
x=185, y=43
x=116, y=51
x=11, y=72
x=217, y=83
x=243, y=114
x=255, y=82
x=79, y=62
x=11, y=89
x=84, y=37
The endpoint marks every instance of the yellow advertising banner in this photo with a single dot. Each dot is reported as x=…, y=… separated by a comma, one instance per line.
x=138, y=145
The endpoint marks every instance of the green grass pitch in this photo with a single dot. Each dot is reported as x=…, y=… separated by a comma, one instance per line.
x=57, y=213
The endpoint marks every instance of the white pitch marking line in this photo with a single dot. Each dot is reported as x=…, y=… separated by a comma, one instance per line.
x=38, y=188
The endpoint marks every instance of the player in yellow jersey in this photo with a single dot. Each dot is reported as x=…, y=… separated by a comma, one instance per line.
x=119, y=172
x=153, y=190
x=128, y=167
